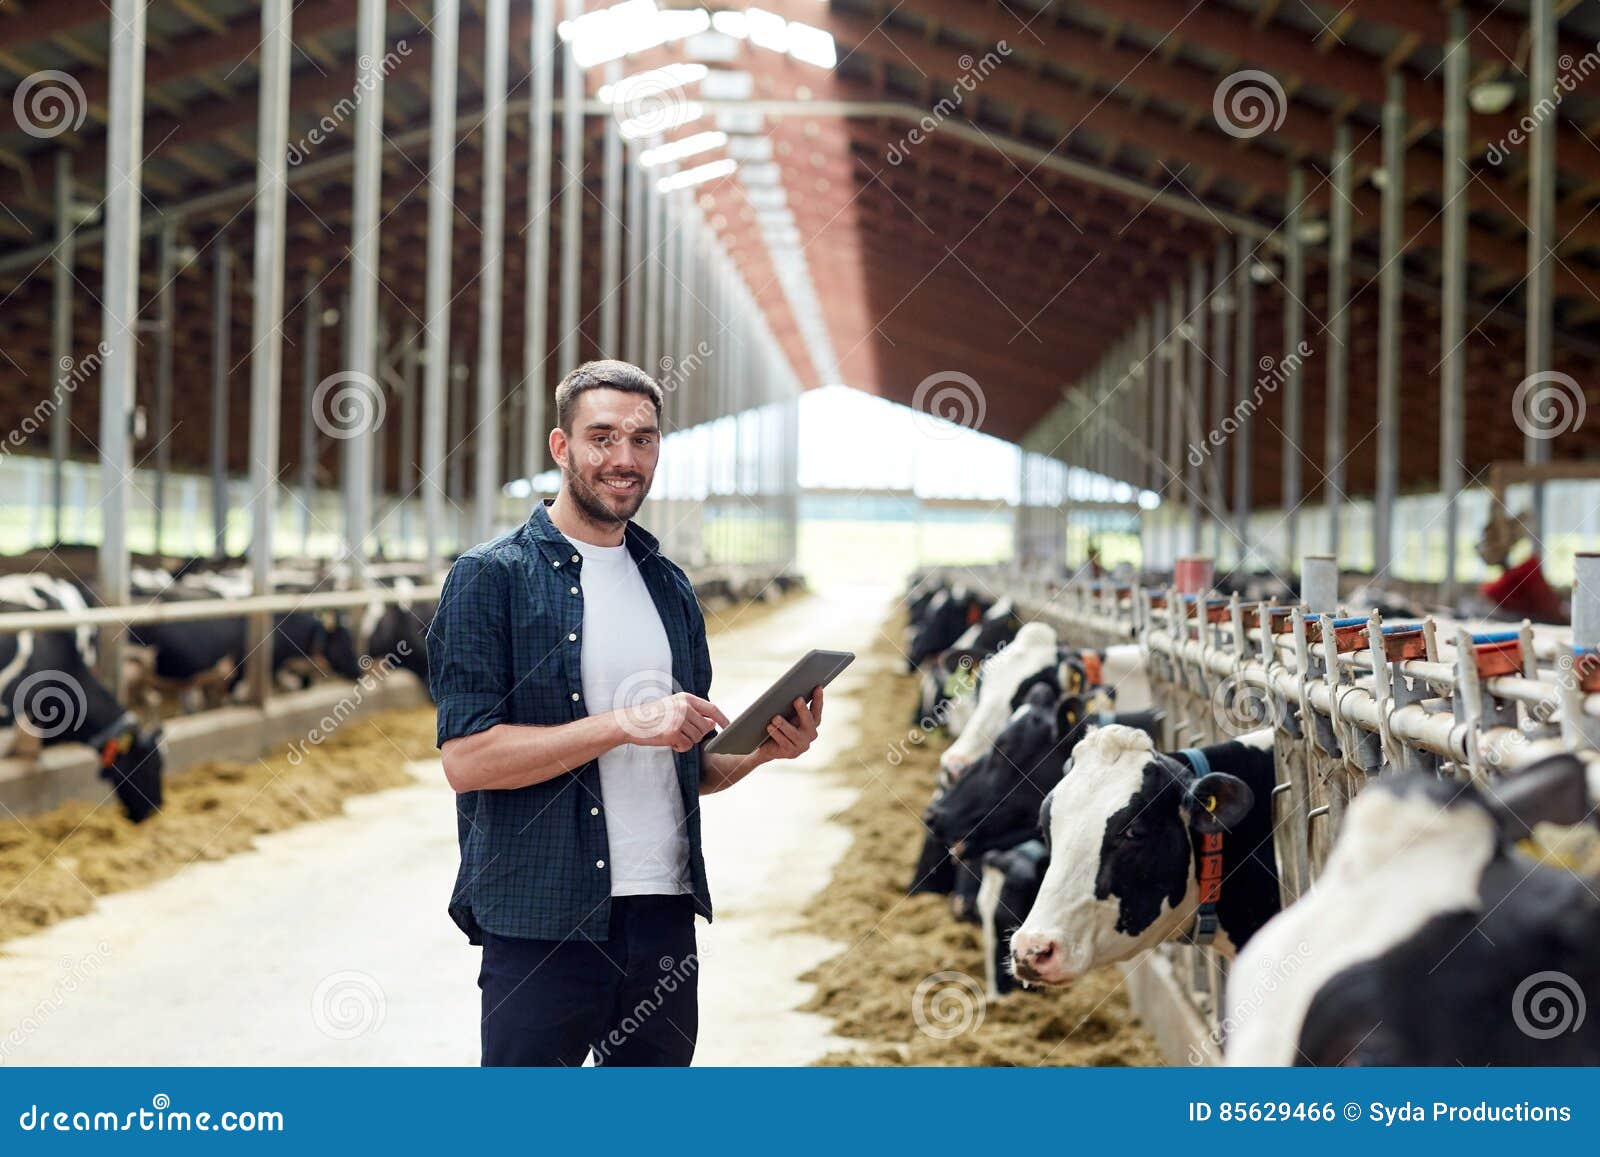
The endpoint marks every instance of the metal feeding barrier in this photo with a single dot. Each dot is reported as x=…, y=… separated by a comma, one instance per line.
x=1348, y=695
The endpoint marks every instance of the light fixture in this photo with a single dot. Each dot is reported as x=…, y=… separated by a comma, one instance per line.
x=730, y=23
x=658, y=121
x=698, y=175
x=767, y=29
x=652, y=83
x=1314, y=231
x=1380, y=178
x=812, y=45
x=623, y=29
x=1262, y=272
x=678, y=150
x=1492, y=97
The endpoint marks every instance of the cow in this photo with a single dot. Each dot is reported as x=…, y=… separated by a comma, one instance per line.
x=394, y=634
x=944, y=618
x=943, y=674
x=997, y=801
x=1429, y=939
x=999, y=677
x=1131, y=831
x=49, y=696
x=1009, y=885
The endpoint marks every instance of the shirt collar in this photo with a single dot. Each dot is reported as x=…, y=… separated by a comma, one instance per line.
x=640, y=542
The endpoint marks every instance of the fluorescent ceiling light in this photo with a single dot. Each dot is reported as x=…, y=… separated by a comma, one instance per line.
x=657, y=80
x=1314, y=231
x=766, y=174
x=767, y=29
x=678, y=150
x=698, y=175
x=623, y=29
x=658, y=121
x=750, y=148
x=812, y=45
x=730, y=24
x=1492, y=97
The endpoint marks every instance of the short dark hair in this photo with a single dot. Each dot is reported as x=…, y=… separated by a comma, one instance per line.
x=607, y=374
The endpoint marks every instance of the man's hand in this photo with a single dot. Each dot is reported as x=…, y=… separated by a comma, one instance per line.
x=787, y=740
x=679, y=721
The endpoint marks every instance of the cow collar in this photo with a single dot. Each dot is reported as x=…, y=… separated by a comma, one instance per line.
x=115, y=739
x=1208, y=860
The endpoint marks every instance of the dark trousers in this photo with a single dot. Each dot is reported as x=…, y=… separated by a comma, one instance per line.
x=632, y=999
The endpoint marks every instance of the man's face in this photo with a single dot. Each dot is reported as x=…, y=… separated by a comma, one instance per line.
x=608, y=460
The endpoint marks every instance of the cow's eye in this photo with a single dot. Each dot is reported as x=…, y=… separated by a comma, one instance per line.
x=1131, y=832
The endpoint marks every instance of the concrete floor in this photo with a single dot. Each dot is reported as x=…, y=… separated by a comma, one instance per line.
x=329, y=945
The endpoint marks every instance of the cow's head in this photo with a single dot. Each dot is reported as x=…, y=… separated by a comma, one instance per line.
x=340, y=648
x=131, y=760
x=1122, y=873
x=1418, y=943
x=999, y=796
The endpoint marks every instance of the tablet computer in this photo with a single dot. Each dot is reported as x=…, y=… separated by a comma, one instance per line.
x=749, y=730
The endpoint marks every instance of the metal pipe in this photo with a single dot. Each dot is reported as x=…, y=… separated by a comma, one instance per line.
x=1177, y=404
x=1453, y=311
x=199, y=610
x=486, y=444
x=166, y=276
x=571, y=196
x=266, y=322
x=1586, y=600
x=364, y=260
x=310, y=361
x=1158, y=395
x=636, y=258
x=611, y=209
x=1194, y=401
x=1244, y=365
x=1538, y=291
x=445, y=30
x=410, y=404
x=119, y=315
x=63, y=256
x=1338, y=333
x=536, y=297
x=221, y=363
x=1222, y=308
x=1294, y=293
x=1389, y=322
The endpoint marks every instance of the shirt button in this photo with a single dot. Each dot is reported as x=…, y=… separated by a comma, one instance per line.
x=594, y=811
x=599, y=863
x=574, y=590
x=557, y=566
x=572, y=638
x=574, y=558
x=574, y=696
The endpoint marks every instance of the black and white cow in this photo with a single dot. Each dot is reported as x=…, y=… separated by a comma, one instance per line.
x=394, y=635
x=997, y=628
x=1429, y=939
x=1009, y=886
x=996, y=802
x=49, y=695
x=945, y=616
x=999, y=677
x=1127, y=829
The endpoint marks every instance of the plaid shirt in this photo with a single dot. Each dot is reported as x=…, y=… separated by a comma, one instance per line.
x=506, y=647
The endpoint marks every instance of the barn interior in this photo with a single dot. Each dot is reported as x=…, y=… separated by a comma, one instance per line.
x=1205, y=319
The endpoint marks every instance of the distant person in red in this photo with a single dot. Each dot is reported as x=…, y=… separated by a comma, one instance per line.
x=1095, y=569
x=1521, y=591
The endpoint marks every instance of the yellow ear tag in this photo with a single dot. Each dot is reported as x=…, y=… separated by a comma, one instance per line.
x=1211, y=803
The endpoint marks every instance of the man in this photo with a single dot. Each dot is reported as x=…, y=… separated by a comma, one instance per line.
x=569, y=662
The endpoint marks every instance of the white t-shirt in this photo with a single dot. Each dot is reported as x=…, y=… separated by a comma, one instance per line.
x=627, y=661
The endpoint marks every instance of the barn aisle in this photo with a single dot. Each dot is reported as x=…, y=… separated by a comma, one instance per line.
x=329, y=944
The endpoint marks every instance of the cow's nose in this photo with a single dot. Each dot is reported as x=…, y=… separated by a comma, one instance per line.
x=1037, y=956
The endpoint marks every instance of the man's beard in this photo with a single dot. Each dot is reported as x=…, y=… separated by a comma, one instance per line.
x=592, y=504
